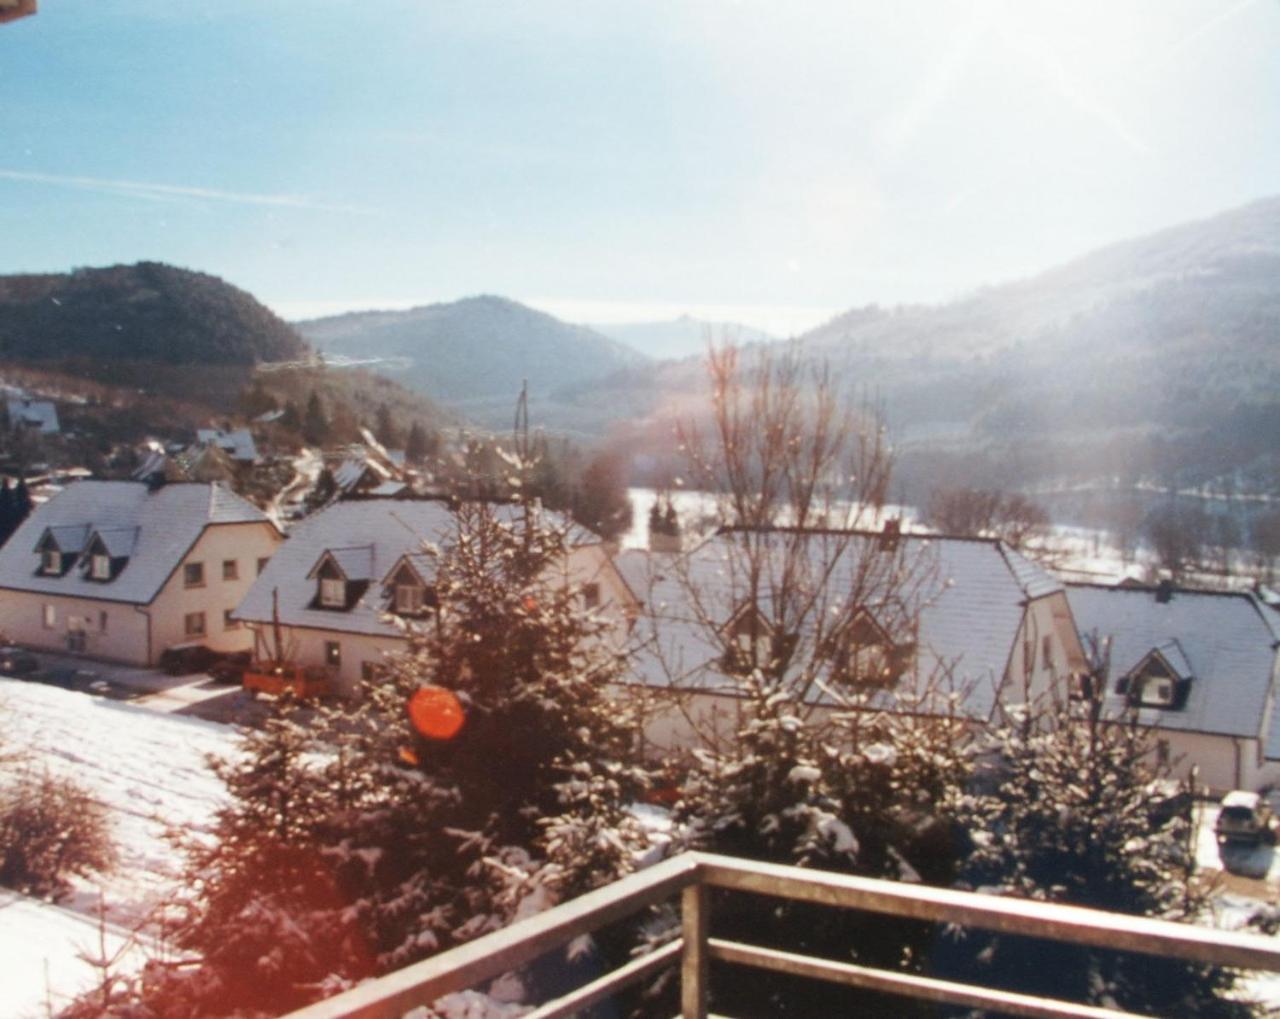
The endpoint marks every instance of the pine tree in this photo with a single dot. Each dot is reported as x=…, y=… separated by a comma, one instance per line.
x=8, y=523
x=1077, y=811
x=355, y=845
x=315, y=426
x=22, y=503
x=417, y=447
x=385, y=430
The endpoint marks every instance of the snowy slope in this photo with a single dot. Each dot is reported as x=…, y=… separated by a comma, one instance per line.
x=150, y=771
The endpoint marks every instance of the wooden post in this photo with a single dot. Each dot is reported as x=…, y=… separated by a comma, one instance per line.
x=695, y=913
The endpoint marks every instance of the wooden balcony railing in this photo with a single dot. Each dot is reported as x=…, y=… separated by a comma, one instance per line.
x=693, y=875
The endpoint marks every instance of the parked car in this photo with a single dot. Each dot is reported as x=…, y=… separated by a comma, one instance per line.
x=16, y=661
x=1244, y=818
x=182, y=659
x=230, y=667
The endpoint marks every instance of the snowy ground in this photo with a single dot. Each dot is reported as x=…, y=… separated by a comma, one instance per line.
x=148, y=769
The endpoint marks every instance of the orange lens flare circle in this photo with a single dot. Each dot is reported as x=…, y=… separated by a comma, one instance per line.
x=436, y=713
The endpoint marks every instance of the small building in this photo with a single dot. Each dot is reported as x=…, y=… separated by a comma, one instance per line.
x=122, y=570
x=36, y=416
x=238, y=445
x=924, y=624
x=350, y=576
x=1200, y=667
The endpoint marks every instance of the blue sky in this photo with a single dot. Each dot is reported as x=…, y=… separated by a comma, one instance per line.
x=770, y=161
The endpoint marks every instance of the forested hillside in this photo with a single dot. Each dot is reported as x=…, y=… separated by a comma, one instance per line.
x=143, y=312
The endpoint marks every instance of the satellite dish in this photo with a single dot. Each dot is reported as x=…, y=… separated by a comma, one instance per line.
x=436, y=713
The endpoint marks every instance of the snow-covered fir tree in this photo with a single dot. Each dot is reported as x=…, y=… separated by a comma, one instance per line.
x=1077, y=809
x=354, y=844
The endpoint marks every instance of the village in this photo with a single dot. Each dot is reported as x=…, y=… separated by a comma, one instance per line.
x=167, y=592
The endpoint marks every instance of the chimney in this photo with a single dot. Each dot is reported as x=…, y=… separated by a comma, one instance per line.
x=1164, y=592
x=889, y=536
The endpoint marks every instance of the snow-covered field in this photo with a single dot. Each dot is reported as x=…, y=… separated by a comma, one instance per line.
x=149, y=770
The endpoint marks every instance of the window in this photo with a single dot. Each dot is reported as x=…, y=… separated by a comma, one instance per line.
x=1046, y=651
x=868, y=654
x=102, y=622
x=262, y=563
x=1157, y=692
x=50, y=617
x=231, y=569
x=227, y=622
x=193, y=575
x=750, y=642
x=333, y=593
x=410, y=599
x=333, y=654
x=100, y=567
x=51, y=562
x=193, y=624
x=591, y=595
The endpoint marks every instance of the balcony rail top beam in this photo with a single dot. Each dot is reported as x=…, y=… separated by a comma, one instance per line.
x=389, y=997
x=1029, y=917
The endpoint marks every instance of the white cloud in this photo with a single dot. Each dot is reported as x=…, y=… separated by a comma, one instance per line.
x=174, y=192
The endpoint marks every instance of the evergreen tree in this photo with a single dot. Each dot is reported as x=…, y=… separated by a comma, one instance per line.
x=315, y=426
x=354, y=844
x=292, y=417
x=8, y=522
x=22, y=503
x=601, y=502
x=417, y=446
x=385, y=430
x=1077, y=812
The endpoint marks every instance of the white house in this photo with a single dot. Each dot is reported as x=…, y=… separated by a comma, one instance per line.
x=338, y=583
x=1198, y=666
x=121, y=570
x=963, y=616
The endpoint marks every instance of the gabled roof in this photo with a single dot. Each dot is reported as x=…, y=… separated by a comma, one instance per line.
x=1223, y=641
x=166, y=522
x=355, y=562
x=67, y=538
x=368, y=536
x=117, y=542
x=971, y=594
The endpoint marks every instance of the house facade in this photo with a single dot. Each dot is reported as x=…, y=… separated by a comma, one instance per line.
x=1198, y=667
x=923, y=623
x=122, y=570
x=351, y=577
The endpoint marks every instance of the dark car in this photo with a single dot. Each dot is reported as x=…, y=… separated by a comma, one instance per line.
x=16, y=661
x=229, y=668
x=186, y=658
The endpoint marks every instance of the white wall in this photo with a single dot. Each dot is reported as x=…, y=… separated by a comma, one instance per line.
x=124, y=638
x=243, y=544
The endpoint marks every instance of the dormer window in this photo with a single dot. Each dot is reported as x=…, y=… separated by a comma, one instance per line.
x=333, y=592
x=341, y=576
x=751, y=643
x=1161, y=680
x=100, y=567
x=51, y=562
x=867, y=655
x=408, y=593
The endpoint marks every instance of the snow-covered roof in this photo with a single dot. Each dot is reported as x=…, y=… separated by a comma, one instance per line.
x=970, y=593
x=164, y=523
x=367, y=538
x=239, y=445
x=37, y=414
x=351, y=471
x=1224, y=642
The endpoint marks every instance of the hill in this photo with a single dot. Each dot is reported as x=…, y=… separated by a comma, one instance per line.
x=1151, y=360
x=473, y=354
x=147, y=312
x=685, y=336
